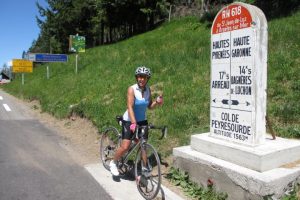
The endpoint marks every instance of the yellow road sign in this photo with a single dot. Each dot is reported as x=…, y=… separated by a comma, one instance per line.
x=21, y=66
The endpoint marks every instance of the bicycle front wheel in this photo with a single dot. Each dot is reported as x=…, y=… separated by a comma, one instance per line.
x=109, y=143
x=147, y=171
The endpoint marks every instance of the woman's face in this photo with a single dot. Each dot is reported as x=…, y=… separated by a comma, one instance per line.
x=142, y=80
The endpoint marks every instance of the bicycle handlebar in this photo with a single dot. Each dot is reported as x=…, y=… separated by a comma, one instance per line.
x=164, y=129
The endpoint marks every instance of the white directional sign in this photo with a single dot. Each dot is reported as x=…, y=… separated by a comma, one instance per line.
x=238, y=74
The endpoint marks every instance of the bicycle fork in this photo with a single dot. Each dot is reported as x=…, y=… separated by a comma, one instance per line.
x=146, y=167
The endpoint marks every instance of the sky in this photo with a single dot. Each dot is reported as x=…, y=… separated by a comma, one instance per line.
x=18, y=27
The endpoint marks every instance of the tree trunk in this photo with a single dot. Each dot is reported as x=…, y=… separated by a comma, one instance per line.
x=102, y=33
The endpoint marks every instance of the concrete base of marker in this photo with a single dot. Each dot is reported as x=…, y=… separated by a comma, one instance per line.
x=236, y=179
x=271, y=154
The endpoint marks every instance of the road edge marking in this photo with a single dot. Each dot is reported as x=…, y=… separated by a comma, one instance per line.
x=7, y=108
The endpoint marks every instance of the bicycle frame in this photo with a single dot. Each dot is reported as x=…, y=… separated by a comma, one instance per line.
x=134, y=145
x=125, y=157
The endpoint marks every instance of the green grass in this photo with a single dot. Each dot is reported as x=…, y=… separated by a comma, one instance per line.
x=193, y=190
x=284, y=76
x=178, y=54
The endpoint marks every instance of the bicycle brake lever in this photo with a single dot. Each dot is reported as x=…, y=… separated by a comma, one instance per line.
x=164, y=132
x=151, y=126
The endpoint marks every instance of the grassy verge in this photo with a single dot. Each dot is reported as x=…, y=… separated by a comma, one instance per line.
x=178, y=55
x=283, y=75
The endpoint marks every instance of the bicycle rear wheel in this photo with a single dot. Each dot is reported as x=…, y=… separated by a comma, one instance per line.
x=110, y=141
x=147, y=171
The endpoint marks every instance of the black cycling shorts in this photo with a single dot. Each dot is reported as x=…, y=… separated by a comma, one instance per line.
x=127, y=134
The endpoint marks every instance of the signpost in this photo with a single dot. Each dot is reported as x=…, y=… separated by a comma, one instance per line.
x=45, y=57
x=51, y=58
x=238, y=75
x=22, y=66
x=77, y=45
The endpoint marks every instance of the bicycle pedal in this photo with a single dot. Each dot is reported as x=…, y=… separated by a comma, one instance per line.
x=142, y=180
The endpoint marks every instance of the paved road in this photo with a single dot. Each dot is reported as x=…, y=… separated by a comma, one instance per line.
x=33, y=166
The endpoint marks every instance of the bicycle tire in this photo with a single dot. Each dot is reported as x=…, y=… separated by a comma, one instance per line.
x=149, y=182
x=110, y=141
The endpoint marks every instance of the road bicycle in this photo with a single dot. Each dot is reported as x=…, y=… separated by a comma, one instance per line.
x=141, y=158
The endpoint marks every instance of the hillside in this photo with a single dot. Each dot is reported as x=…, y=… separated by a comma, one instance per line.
x=178, y=54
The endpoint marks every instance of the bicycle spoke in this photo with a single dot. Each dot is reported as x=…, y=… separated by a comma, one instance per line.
x=109, y=142
x=147, y=172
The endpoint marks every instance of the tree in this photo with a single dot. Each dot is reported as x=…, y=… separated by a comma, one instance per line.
x=277, y=8
x=100, y=21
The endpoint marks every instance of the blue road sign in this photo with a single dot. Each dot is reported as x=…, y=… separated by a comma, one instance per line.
x=51, y=58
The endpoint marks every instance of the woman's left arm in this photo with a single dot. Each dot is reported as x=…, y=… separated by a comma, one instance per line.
x=152, y=104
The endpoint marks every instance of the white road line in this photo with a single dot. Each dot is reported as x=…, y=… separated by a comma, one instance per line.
x=7, y=108
x=1, y=98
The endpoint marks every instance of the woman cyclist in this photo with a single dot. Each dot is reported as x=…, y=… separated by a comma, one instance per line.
x=138, y=100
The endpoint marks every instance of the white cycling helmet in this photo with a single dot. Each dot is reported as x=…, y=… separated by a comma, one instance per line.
x=143, y=71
